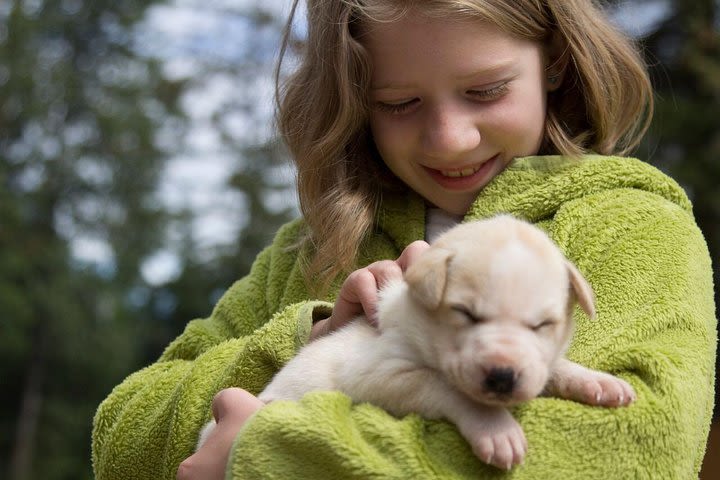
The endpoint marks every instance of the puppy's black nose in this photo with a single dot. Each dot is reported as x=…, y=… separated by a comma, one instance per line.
x=500, y=380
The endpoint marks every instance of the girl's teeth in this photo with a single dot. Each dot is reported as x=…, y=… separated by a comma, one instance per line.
x=465, y=172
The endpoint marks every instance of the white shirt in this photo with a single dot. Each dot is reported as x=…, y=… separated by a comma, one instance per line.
x=437, y=221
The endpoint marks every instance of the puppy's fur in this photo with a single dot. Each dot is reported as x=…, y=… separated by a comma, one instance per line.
x=480, y=322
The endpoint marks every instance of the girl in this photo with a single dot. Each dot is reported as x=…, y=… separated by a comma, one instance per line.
x=403, y=118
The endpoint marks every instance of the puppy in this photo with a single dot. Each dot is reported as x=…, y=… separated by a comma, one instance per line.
x=479, y=322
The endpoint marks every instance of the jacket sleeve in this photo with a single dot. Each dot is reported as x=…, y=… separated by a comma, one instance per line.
x=649, y=265
x=650, y=269
x=150, y=422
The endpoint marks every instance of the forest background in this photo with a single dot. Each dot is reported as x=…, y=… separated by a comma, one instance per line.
x=140, y=176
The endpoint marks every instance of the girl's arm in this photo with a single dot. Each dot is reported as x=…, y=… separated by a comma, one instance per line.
x=150, y=422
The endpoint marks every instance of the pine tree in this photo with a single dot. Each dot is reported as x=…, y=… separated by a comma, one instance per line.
x=78, y=167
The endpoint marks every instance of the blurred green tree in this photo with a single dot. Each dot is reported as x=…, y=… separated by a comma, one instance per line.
x=90, y=121
x=78, y=169
x=232, y=78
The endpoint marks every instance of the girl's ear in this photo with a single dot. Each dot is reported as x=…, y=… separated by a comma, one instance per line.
x=428, y=275
x=556, y=61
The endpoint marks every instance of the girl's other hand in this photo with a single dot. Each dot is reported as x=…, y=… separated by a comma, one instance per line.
x=231, y=408
x=358, y=294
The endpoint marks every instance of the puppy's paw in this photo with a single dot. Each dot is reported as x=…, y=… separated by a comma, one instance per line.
x=575, y=382
x=597, y=388
x=496, y=438
x=608, y=391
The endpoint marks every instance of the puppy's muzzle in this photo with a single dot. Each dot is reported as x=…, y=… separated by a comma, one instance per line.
x=500, y=381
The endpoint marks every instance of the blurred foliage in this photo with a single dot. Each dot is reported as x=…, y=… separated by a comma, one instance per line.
x=88, y=125
x=77, y=157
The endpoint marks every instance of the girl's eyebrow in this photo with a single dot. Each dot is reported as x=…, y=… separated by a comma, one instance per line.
x=499, y=67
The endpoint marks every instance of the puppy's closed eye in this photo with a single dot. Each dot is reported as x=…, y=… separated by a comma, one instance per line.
x=469, y=315
x=546, y=324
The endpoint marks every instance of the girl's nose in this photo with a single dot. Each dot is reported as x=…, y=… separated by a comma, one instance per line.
x=448, y=132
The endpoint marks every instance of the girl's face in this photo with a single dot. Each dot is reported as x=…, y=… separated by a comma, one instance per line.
x=452, y=102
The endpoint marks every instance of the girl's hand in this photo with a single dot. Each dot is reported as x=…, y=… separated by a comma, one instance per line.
x=231, y=408
x=358, y=294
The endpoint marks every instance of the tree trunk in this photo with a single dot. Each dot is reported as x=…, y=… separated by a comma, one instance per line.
x=23, y=452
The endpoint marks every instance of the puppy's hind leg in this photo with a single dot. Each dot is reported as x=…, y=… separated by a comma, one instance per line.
x=572, y=381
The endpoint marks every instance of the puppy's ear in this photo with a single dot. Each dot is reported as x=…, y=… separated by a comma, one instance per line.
x=581, y=289
x=428, y=275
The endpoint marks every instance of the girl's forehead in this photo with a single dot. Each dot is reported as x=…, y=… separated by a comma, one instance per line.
x=463, y=49
x=390, y=14
x=416, y=22
x=524, y=17
x=387, y=10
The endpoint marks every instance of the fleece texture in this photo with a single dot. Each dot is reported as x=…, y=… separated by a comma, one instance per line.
x=628, y=228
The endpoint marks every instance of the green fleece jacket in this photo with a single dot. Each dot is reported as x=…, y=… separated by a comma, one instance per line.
x=627, y=227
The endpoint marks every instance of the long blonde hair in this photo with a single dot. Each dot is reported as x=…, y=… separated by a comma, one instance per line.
x=604, y=104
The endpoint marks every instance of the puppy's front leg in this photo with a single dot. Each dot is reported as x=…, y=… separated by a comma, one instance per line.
x=494, y=435
x=574, y=382
x=492, y=432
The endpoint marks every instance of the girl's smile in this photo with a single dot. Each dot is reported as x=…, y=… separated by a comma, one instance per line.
x=453, y=102
x=465, y=178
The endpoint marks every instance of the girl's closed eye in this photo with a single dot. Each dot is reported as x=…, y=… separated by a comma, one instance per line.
x=479, y=94
x=396, y=108
x=489, y=94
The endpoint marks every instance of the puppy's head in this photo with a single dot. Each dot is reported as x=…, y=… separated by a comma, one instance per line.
x=498, y=297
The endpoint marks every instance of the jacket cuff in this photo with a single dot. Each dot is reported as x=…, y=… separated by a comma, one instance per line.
x=308, y=314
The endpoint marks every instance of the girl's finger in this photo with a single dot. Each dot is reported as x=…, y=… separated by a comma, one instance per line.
x=411, y=253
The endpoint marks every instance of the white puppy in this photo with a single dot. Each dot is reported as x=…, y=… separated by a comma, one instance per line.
x=480, y=322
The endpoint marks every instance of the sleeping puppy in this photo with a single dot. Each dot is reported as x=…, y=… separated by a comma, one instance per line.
x=479, y=322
